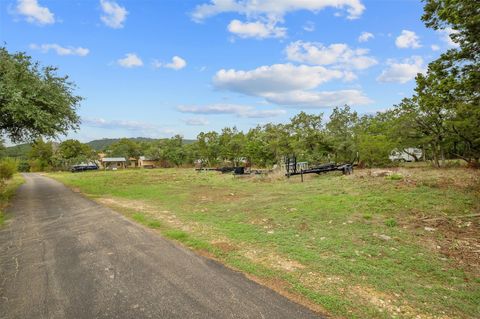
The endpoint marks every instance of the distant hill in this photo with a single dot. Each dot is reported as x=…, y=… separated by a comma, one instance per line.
x=21, y=150
x=18, y=151
x=99, y=145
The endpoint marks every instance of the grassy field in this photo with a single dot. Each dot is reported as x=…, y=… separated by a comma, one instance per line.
x=7, y=190
x=371, y=245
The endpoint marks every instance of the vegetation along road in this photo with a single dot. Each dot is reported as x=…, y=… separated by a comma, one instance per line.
x=64, y=256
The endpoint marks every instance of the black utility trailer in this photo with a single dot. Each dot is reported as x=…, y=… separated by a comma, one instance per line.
x=291, y=168
x=217, y=169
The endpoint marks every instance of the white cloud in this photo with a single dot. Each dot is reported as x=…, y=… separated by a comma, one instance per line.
x=235, y=109
x=287, y=84
x=435, y=47
x=274, y=78
x=338, y=54
x=256, y=29
x=196, y=121
x=60, y=50
x=408, y=39
x=326, y=99
x=309, y=26
x=445, y=37
x=114, y=14
x=365, y=36
x=274, y=9
x=177, y=63
x=131, y=60
x=35, y=13
x=402, y=72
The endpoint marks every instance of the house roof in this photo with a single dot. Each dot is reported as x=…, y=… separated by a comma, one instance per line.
x=114, y=159
x=146, y=158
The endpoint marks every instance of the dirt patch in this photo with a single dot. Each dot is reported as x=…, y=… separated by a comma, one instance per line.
x=224, y=246
x=459, y=240
x=209, y=195
x=393, y=305
x=389, y=303
x=272, y=260
x=140, y=206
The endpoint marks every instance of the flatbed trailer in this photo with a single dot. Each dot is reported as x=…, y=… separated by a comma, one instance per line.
x=216, y=169
x=346, y=169
x=293, y=169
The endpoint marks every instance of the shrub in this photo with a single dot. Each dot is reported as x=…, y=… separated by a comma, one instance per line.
x=8, y=167
x=23, y=166
x=39, y=165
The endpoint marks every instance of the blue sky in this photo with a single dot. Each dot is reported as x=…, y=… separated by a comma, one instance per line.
x=157, y=68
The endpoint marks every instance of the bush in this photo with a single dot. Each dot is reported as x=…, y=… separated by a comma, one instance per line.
x=39, y=165
x=8, y=167
x=23, y=166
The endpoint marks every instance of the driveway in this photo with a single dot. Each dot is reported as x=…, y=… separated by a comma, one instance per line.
x=64, y=256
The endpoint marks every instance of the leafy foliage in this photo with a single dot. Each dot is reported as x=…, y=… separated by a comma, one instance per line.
x=8, y=167
x=34, y=100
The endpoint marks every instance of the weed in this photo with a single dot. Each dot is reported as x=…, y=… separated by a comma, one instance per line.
x=391, y=222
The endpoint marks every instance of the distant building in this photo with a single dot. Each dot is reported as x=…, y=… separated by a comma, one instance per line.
x=113, y=162
x=410, y=154
x=146, y=162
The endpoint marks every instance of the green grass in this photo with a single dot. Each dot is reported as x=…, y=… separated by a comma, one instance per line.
x=354, y=245
x=7, y=190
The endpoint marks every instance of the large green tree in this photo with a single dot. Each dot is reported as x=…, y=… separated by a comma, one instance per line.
x=453, y=80
x=34, y=100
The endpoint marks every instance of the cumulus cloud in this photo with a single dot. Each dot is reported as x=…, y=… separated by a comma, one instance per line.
x=408, y=39
x=402, y=72
x=325, y=99
x=256, y=29
x=45, y=48
x=137, y=127
x=338, y=54
x=365, y=36
x=287, y=84
x=274, y=78
x=264, y=15
x=34, y=12
x=234, y=109
x=131, y=60
x=196, y=121
x=114, y=15
x=177, y=63
x=435, y=47
x=274, y=8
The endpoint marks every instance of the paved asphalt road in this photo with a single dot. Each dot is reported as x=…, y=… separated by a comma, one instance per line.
x=64, y=256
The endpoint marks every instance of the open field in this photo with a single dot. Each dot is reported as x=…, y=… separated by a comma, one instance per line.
x=362, y=246
x=7, y=190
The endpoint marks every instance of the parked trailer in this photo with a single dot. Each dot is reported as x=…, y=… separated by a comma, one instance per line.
x=217, y=169
x=291, y=167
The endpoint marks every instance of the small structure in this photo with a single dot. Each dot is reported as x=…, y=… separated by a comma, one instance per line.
x=410, y=154
x=146, y=162
x=114, y=163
